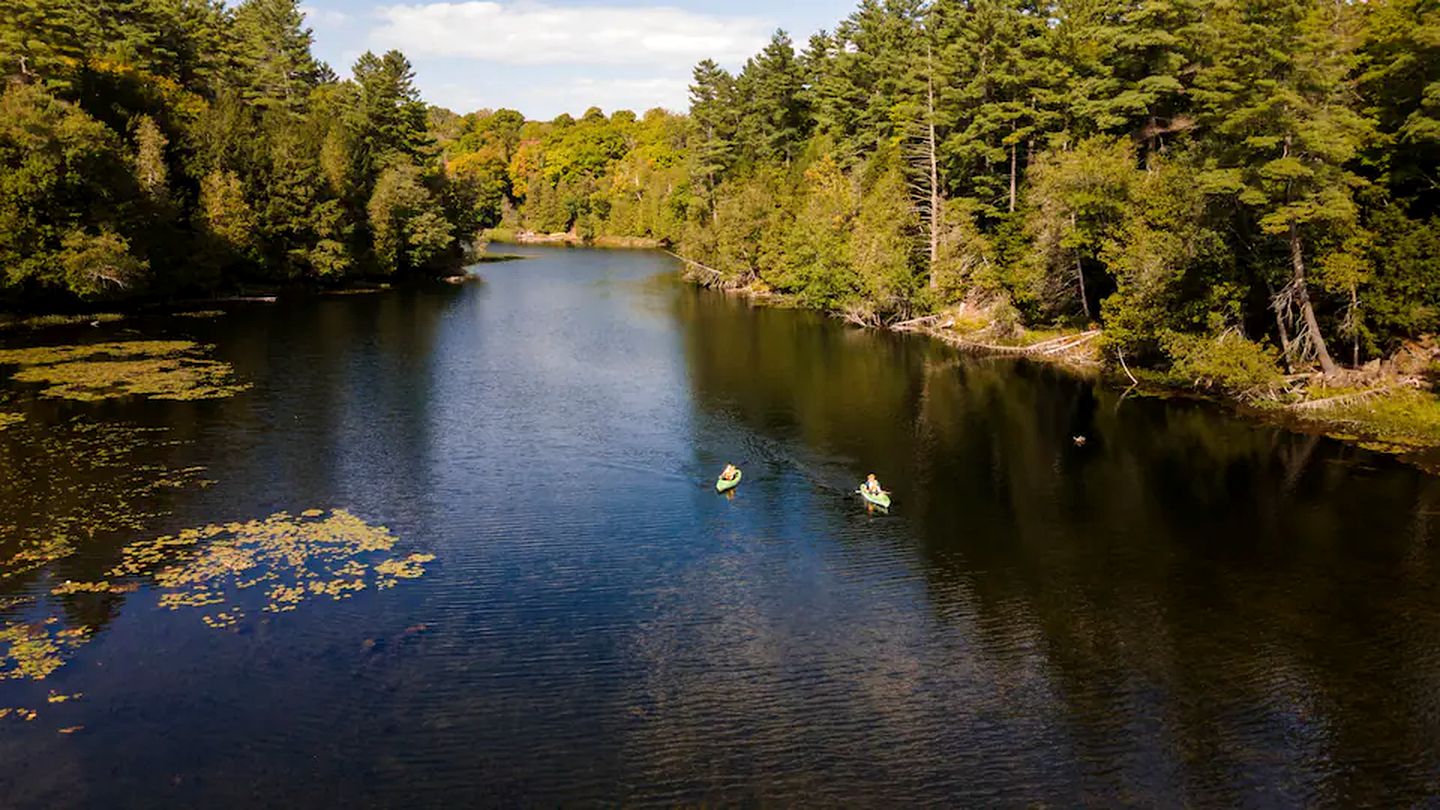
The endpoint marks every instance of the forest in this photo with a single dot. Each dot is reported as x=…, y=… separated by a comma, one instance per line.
x=1234, y=190
x=169, y=147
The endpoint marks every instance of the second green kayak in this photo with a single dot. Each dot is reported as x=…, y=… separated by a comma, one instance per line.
x=724, y=484
x=882, y=500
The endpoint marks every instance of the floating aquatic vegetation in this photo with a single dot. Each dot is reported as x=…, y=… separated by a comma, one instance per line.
x=68, y=587
x=42, y=321
x=30, y=557
x=55, y=697
x=297, y=557
x=20, y=713
x=33, y=650
x=224, y=619
x=410, y=567
x=201, y=313
x=67, y=484
x=158, y=369
x=8, y=419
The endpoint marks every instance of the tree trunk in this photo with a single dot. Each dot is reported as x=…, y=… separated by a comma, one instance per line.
x=1080, y=275
x=1280, y=325
x=1354, y=328
x=934, y=171
x=1013, y=149
x=1302, y=295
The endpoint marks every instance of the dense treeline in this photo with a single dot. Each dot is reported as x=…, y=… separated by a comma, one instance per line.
x=619, y=175
x=169, y=146
x=1248, y=183
x=1266, y=171
x=1231, y=184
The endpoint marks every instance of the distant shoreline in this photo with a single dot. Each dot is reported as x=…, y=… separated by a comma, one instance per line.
x=507, y=236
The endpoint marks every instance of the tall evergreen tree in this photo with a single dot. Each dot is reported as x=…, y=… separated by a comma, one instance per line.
x=1280, y=96
x=773, y=121
x=45, y=40
x=999, y=96
x=273, y=49
x=391, y=117
x=713, y=125
x=1401, y=82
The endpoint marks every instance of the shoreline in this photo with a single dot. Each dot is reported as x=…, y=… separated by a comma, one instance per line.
x=1359, y=419
x=1398, y=418
x=14, y=321
x=506, y=236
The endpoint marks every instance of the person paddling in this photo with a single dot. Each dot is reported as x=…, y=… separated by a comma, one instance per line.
x=872, y=485
x=729, y=472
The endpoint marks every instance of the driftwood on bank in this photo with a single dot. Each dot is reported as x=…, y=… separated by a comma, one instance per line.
x=1345, y=399
x=931, y=325
x=926, y=320
x=1045, y=348
x=712, y=276
x=239, y=299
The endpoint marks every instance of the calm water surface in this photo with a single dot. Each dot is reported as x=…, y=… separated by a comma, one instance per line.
x=1189, y=610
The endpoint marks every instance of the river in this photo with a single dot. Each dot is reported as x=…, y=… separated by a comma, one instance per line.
x=1189, y=609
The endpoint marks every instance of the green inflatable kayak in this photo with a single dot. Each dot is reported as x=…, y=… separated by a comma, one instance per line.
x=882, y=500
x=724, y=485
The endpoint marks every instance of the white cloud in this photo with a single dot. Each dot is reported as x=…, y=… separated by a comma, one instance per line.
x=323, y=16
x=546, y=99
x=526, y=33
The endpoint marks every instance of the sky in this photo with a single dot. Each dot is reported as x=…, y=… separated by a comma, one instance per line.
x=545, y=57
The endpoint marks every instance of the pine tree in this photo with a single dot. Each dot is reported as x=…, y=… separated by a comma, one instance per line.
x=391, y=116
x=1128, y=66
x=865, y=84
x=712, y=118
x=273, y=49
x=45, y=40
x=1000, y=94
x=1401, y=83
x=1280, y=96
x=773, y=120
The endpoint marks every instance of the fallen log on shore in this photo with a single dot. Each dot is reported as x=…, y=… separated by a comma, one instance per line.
x=714, y=278
x=1345, y=399
x=1049, y=347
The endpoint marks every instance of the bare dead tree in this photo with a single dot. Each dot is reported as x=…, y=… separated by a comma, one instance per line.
x=921, y=152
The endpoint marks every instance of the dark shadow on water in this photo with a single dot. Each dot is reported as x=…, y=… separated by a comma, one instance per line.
x=1187, y=610
x=1215, y=607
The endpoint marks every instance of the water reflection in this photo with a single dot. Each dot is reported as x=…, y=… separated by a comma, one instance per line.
x=1202, y=608
x=1186, y=610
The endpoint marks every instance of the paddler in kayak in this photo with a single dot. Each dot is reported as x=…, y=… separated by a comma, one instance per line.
x=872, y=485
x=728, y=480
